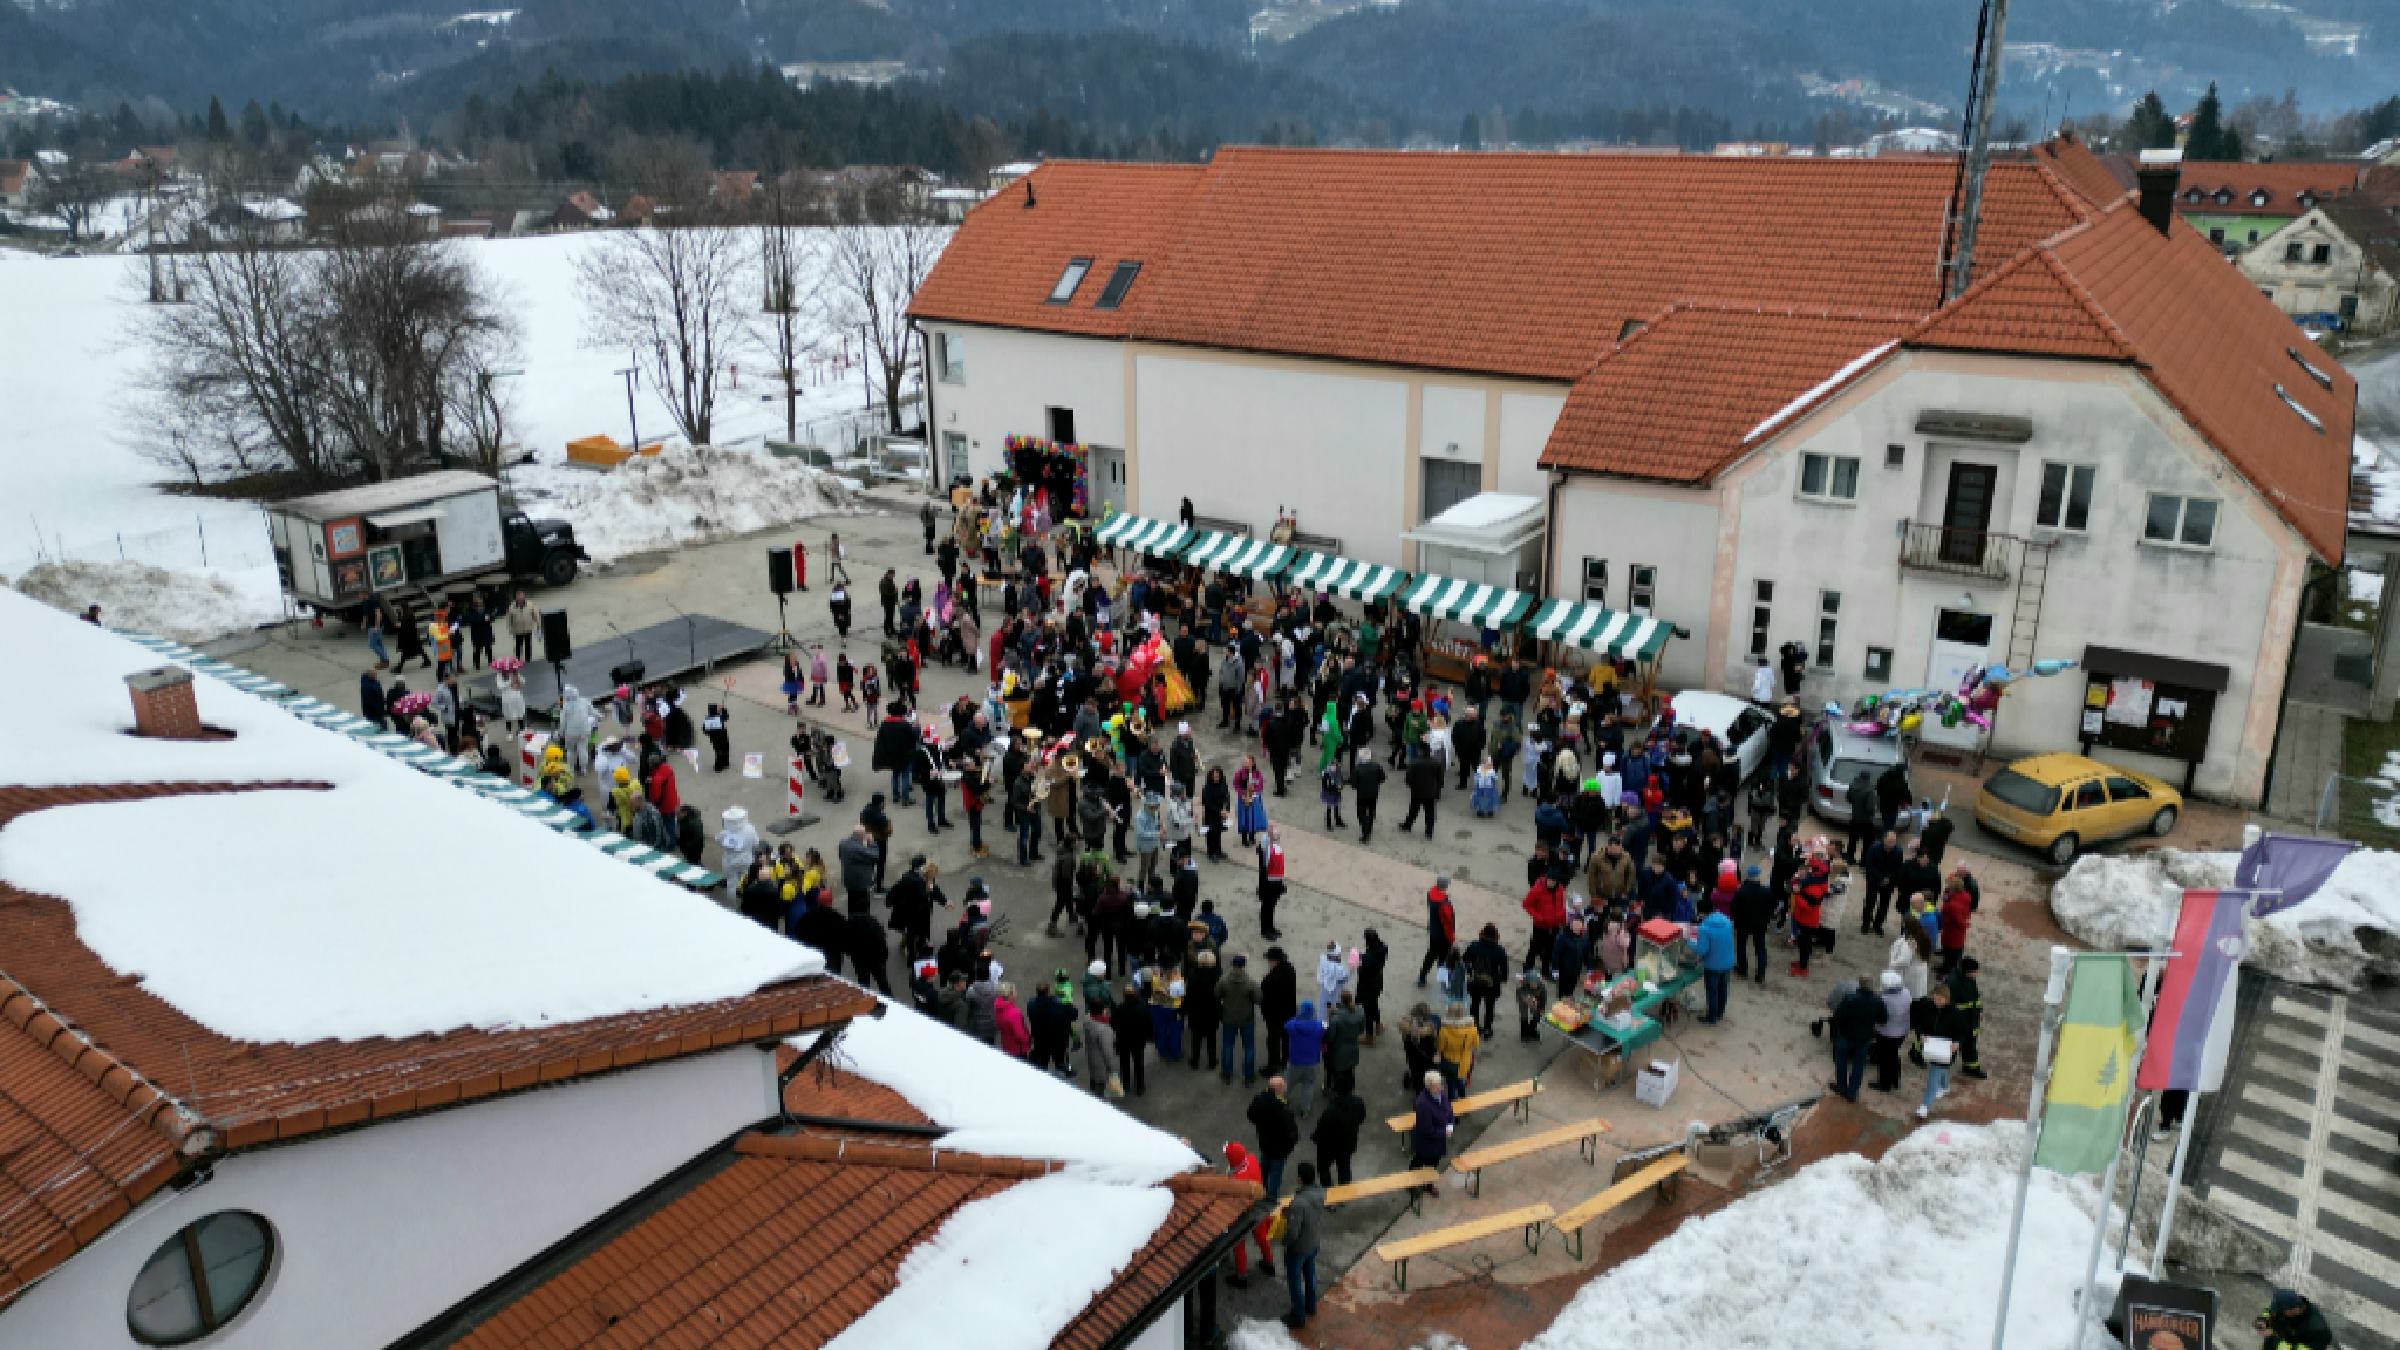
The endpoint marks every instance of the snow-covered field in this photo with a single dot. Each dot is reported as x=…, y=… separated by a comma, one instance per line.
x=81, y=489
x=2346, y=936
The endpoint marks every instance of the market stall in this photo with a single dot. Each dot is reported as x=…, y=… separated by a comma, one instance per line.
x=1610, y=1018
x=1372, y=585
x=1240, y=555
x=1612, y=635
x=1153, y=538
x=1464, y=620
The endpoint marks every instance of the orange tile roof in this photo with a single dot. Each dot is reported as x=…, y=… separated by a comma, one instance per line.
x=2283, y=180
x=1677, y=401
x=1511, y=264
x=799, y=1235
x=156, y=1072
x=1014, y=255
x=2205, y=338
x=2082, y=171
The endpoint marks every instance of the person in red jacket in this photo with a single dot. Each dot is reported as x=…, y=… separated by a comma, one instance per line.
x=1546, y=904
x=1957, y=909
x=1244, y=1167
x=662, y=790
x=1441, y=928
x=1810, y=888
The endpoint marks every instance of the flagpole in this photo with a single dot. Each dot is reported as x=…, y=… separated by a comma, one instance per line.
x=2153, y=975
x=2054, y=998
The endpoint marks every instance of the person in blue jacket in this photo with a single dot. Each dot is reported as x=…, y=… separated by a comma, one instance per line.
x=1716, y=948
x=1304, y=1040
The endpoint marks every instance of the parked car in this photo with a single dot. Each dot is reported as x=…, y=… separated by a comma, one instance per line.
x=1737, y=723
x=2062, y=803
x=1837, y=757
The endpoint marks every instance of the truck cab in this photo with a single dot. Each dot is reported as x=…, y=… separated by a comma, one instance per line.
x=541, y=548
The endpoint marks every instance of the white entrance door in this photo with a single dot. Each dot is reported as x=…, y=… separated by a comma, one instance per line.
x=1108, y=480
x=1962, y=642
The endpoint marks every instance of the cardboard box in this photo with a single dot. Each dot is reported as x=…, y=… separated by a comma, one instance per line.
x=1656, y=1082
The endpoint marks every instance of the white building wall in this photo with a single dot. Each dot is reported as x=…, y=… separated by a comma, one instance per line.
x=1628, y=524
x=2231, y=605
x=1012, y=381
x=1525, y=423
x=381, y=1228
x=1453, y=423
x=1241, y=437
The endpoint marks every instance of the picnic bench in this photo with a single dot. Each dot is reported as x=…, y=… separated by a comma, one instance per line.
x=1518, y=1095
x=1660, y=1173
x=1583, y=1133
x=1530, y=1218
x=1414, y=1182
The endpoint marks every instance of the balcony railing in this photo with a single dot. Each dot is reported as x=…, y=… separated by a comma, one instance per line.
x=1950, y=551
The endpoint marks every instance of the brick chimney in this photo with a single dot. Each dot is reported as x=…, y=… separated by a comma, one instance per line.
x=2160, y=175
x=164, y=706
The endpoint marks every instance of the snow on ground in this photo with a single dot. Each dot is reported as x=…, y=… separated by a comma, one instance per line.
x=80, y=487
x=299, y=916
x=189, y=606
x=1252, y=1334
x=1015, y=1267
x=681, y=495
x=2368, y=461
x=2346, y=936
x=1003, y=1107
x=1849, y=1254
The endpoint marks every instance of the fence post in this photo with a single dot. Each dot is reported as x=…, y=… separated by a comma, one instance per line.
x=120, y=546
x=2325, y=800
x=201, y=523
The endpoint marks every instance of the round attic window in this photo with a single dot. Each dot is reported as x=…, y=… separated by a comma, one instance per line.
x=200, y=1279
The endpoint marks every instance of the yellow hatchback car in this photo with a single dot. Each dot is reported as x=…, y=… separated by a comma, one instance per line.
x=2060, y=803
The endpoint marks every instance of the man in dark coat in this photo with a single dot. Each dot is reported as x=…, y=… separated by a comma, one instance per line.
x=896, y=752
x=860, y=860
x=911, y=902
x=1467, y=740
x=1884, y=860
x=1855, y=1019
x=1278, y=1003
x=1278, y=1132
x=1753, y=914
x=1424, y=779
x=1366, y=781
x=1861, y=800
x=1336, y=1133
x=1342, y=1034
x=862, y=938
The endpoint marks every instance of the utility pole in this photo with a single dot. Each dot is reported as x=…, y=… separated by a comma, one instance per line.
x=633, y=376
x=1976, y=157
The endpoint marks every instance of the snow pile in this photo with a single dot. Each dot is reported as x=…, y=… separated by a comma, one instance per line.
x=682, y=495
x=1003, y=1107
x=306, y=915
x=1856, y=1255
x=1017, y=1266
x=2368, y=462
x=192, y=606
x=2346, y=936
x=1252, y=1334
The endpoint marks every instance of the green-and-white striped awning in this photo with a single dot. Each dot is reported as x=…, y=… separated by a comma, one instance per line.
x=1611, y=632
x=1344, y=577
x=1241, y=555
x=1159, y=538
x=1472, y=602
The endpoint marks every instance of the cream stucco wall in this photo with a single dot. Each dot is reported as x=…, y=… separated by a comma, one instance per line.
x=2309, y=287
x=1012, y=381
x=2232, y=605
x=1626, y=524
x=378, y=1230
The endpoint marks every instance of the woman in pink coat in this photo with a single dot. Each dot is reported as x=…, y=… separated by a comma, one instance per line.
x=1016, y=1038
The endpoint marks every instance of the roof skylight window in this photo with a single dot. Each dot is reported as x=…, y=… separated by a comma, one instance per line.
x=1119, y=282
x=2294, y=405
x=1069, y=280
x=2324, y=381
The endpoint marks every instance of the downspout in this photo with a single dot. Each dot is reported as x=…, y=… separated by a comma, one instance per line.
x=1558, y=478
x=934, y=487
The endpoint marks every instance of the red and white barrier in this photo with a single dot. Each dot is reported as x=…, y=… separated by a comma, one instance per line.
x=530, y=745
x=794, y=787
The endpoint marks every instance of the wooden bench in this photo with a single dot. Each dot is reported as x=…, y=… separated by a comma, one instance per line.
x=1531, y=1218
x=1414, y=1182
x=1586, y=1134
x=1661, y=1174
x=1517, y=1095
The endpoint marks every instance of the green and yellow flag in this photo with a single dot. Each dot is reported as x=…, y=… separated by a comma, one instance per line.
x=2091, y=1079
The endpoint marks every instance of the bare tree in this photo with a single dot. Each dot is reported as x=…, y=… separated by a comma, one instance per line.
x=237, y=365
x=789, y=279
x=676, y=298
x=873, y=271
x=73, y=191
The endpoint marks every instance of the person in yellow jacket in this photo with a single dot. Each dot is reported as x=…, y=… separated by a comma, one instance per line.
x=623, y=798
x=557, y=780
x=445, y=640
x=1455, y=1045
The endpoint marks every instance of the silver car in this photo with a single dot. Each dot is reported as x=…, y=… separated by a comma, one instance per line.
x=1837, y=757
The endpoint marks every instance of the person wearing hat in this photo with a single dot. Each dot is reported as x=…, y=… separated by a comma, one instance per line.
x=2291, y=1322
x=1891, y=1032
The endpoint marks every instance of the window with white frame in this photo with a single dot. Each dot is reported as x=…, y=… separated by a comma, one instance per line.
x=2185, y=522
x=1069, y=280
x=1641, y=589
x=949, y=358
x=1762, y=615
x=1829, y=626
x=1879, y=663
x=2066, y=500
x=1832, y=478
x=1595, y=581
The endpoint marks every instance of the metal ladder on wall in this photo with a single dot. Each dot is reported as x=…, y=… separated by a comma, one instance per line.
x=2024, y=624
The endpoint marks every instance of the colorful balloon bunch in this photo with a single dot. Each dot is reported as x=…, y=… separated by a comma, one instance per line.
x=1903, y=711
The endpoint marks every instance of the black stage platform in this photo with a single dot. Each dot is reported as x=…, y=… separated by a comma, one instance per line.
x=666, y=651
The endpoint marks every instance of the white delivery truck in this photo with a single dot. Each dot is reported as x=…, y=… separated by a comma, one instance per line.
x=424, y=536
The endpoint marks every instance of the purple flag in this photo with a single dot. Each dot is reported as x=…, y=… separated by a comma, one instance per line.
x=2294, y=864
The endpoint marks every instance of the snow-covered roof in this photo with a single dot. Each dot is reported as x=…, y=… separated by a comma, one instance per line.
x=332, y=913
x=272, y=209
x=1492, y=522
x=423, y=487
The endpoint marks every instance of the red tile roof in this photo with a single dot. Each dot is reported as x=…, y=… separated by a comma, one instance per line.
x=158, y=1084
x=2283, y=181
x=2205, y=338
x=800, y=1235
x=2082, y=171
x=1677, y=401
x=1512, y=264
x=13, y=173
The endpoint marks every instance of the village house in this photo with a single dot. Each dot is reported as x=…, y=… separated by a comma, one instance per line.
x=2339, y=263
x=19, y=182
x=2239, y=204
x=1761, y=424
x=445, y=1115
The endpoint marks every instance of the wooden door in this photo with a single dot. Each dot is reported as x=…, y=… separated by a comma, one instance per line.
x=1967, y=512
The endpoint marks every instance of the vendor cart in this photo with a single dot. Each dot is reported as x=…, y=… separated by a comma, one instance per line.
x=1611, y=1017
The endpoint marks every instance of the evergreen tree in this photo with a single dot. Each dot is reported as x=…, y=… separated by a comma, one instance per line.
x=1470, y=132
x=2149, y=127
x=218, y=130
x=2209, y=138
